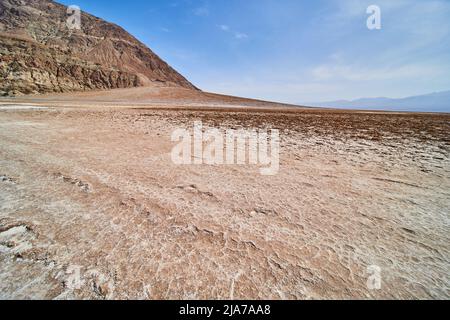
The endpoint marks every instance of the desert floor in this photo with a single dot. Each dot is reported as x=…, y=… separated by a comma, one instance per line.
x=88, y=192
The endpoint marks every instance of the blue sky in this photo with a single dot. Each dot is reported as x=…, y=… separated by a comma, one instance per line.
x=294, y=51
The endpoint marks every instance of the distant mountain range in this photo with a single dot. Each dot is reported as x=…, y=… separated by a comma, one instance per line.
x=434, y=102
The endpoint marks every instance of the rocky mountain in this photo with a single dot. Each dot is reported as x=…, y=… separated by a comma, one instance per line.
x=41, y=53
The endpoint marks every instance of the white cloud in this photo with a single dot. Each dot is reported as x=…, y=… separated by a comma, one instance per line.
x=240, y=35
x=365, y=73
x=357, y=8
x=201, y=11
x=237, y=34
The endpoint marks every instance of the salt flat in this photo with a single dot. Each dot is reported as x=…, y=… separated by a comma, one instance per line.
x=93, y=191
x=19, y=107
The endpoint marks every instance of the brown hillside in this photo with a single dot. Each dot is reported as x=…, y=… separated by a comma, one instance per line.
x=40, y=54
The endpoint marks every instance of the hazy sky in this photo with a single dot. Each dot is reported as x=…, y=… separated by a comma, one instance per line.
x=294, y=50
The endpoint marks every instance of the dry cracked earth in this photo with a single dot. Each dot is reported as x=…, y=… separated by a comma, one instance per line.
x=92, y=207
